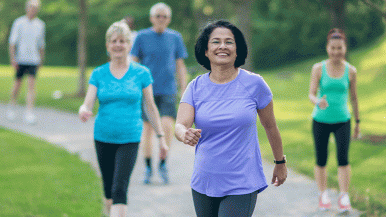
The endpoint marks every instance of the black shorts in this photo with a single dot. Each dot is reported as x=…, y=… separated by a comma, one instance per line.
x=26, y=69
x=166, y=105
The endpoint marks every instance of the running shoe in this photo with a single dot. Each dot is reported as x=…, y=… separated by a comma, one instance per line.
x=163, y=171
x=324, y=202
x=344, y=202
x=148, y=174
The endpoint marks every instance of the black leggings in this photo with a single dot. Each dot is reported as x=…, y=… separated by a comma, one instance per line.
x=227, y=206
x=116, y=162
x=322, y=133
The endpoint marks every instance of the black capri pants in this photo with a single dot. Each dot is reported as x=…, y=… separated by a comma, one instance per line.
x=322, y=131
x=227, y=206
x=116, y=162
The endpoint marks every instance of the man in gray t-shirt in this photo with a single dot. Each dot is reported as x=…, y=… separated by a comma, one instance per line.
x=26, y=52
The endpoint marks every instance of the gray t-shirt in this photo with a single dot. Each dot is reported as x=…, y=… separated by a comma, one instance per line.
x=28, y=36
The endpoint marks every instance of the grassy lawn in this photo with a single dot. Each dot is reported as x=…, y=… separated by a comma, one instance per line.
x=293, y=112
x=39, y=179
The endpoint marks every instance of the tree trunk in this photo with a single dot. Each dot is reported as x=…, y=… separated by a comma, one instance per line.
x=243, y=13
x=82, y=54
x=337, y=13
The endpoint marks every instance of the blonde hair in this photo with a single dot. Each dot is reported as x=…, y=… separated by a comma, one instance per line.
x=121, y=28
x=32, y=2
x=162, y=6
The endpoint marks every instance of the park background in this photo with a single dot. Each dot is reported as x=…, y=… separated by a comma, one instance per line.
x=285, y=38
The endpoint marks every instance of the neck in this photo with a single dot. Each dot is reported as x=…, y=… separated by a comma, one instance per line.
x=338, y=62
x=222, y=74
x=30, y=17
x=119, y=62
x=159, y=29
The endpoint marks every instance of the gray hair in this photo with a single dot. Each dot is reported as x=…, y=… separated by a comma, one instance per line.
x=162, y=6
x=119, y=27
x=32, y=2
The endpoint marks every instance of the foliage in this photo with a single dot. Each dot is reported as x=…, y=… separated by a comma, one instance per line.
x=39, y=179
x=293, y=30
x=283, y=31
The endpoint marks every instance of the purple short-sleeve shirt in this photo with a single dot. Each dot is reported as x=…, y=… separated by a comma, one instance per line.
x=228, y=159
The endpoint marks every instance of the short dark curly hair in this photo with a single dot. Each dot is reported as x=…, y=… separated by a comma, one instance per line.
x=202, y=43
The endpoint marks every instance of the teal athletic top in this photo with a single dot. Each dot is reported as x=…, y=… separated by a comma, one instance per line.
x=336, y=91
x=119, y=117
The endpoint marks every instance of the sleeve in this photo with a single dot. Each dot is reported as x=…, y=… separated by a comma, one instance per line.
x=263, y=94
x=94, y=78
x=146, y=78
x=135, y=50
x=187, y=97
x=181, y=52
x=42, y=38
x=14, y=36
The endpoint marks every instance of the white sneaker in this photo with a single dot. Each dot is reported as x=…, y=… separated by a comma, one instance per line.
x=30, y=118
x=10, y=115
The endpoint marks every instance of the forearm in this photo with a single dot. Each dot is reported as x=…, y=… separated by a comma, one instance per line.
x=180, y=131
x=11, y=53
x=182, y=76
x=154, y=118
x=313, y=98
x=275, y=141
x=355, y=109
x=42, y=55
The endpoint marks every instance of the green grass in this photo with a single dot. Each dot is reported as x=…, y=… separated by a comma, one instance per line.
x=39, y=179
x=293, y=112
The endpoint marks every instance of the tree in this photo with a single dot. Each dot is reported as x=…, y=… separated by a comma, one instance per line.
x=82, y=53
x=375, y=7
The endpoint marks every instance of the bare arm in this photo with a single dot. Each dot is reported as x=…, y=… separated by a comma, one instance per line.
x=354, y=99
x=314, y=82
x=181, y=74
x=267, y=119
x=184, y=122
x=85, y=110
x=12, y=59
x=316, y=74
x=154, y=118
x=42, y=53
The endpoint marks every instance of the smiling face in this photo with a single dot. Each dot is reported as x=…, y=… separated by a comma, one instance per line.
x=336, y=49
x=161, y=19
x=118, y=46
x=221, y=47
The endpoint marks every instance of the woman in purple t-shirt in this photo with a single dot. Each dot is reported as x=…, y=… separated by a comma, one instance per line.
x=224, y=104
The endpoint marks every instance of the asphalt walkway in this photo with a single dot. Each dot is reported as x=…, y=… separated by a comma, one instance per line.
x=297, y=197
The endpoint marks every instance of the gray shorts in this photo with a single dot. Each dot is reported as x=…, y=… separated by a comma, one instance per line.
x=166, y=105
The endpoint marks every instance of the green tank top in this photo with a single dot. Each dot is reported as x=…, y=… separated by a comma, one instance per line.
x=336, y=91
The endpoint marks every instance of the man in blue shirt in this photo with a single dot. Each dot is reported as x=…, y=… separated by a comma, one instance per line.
x=162, y=50
x=26, y=52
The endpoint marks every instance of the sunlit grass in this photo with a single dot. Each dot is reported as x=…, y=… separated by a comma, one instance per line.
x=39, y=179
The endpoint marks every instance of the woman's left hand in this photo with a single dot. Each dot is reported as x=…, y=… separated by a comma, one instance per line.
x=357, y=131
x=163, y=148
x=279, y=174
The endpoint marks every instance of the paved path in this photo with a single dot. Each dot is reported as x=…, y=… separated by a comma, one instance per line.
x=297, y=197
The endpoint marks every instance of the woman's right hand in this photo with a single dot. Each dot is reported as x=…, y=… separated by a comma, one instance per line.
x=323, y=104
x=84, y=114
x=192, y=136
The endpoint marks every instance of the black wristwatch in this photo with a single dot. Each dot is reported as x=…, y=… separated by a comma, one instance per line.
x=281, y=162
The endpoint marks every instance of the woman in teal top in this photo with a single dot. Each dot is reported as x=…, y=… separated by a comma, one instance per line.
x=332, y=81
x=119, y=86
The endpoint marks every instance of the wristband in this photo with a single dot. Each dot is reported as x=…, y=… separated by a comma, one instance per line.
x=281, y=162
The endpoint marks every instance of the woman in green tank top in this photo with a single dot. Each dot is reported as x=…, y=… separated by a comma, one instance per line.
x=332, y=81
